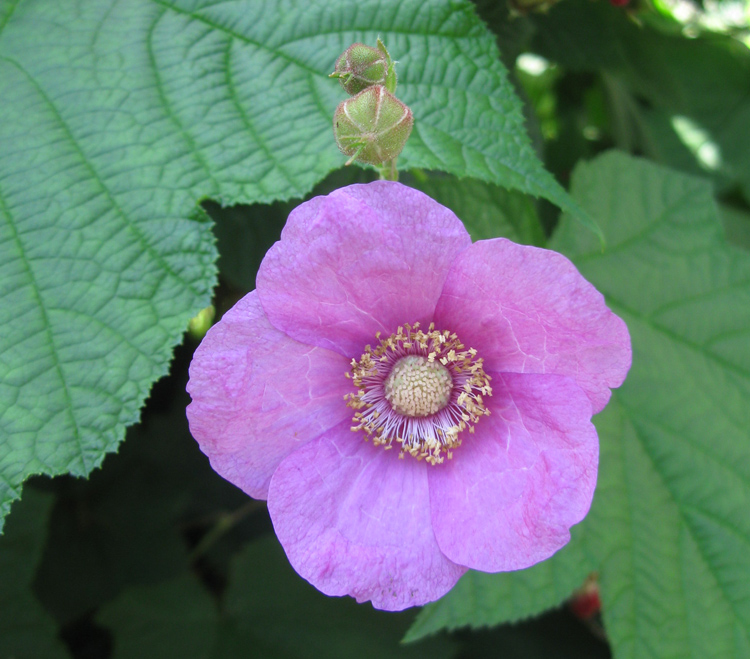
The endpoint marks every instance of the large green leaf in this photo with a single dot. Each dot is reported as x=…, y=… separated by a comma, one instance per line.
x=668, y=531
x=26, y=631
x=117, y=118
x=483, y=600
x=669, y=526
x=100, y=264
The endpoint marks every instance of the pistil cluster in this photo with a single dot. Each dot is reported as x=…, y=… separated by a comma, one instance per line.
x=420, y=390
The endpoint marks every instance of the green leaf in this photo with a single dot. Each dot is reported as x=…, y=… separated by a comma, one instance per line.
x=118, y=118
x=737, y=225
x=102, y=266
x=176, y=618
x=669, y=526
x=484, y=600
x=266, y=599
x=26, y=631
x=487, y=210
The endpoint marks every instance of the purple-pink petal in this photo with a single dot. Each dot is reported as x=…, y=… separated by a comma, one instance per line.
x=354, y=520
x=258, y=395
x=529, y=310
x=513, y=490
x=364, y=259
x=268, y=385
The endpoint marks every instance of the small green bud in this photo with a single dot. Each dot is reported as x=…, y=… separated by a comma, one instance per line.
x=372, y=126
x=360, y=67
x=201, y=323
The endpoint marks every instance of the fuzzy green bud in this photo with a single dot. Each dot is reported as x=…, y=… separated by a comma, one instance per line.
x=360, y=67
x=372, y=126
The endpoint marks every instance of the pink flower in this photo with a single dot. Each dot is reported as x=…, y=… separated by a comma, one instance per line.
x=472, y=369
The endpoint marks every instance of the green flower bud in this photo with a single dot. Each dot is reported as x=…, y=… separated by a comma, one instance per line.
x=372, y=126
x=360, y=67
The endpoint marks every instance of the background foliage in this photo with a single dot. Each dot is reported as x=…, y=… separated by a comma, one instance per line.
x=129, y=134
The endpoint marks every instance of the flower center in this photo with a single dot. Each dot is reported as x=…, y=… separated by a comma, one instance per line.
x=419, y=389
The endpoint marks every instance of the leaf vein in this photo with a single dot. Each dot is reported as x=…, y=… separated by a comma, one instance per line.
x=13, y=4
x=677, y=338
x=164, y=100
x=49, y=336
x=680, y=507
x=248, y=122
x=130, y=224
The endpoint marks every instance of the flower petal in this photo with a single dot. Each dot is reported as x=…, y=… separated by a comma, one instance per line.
x=529, y=310
x=512, y=491
x=364, y=259
x=258, y=395
x=355, y=520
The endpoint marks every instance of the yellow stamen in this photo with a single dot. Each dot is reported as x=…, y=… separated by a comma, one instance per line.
x=420, y=390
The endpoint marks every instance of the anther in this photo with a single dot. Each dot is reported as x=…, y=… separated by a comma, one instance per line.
x=420, y=390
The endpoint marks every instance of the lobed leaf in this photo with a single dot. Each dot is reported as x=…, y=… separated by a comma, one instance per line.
x=668, y=532
x=669, y=526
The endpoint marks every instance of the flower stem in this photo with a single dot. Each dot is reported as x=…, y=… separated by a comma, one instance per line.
x=388, y=171
x=225, y=523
